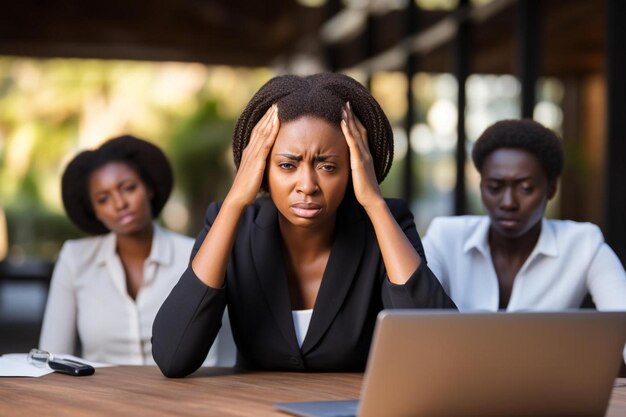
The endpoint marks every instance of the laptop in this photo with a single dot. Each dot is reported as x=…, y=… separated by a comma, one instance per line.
x=446, y=364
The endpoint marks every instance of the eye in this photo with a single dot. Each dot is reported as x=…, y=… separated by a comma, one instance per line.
x=327, y=167
x=102, y=200
x=493, y=188
x=129, y=188
x=286, y=165
x=526, y=187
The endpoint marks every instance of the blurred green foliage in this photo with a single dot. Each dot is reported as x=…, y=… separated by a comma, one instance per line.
x=47, y=225
x=51, y=109
x=200, y=153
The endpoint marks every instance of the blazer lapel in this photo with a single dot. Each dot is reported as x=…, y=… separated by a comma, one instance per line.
x=344, y=260
x=268, y=259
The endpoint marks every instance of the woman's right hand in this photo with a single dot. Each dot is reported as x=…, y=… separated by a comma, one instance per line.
x=210, y=261
x=251, y=170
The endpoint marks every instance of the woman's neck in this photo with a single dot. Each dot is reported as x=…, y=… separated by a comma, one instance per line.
x=137, y=245
x=304, y=240
x=306, y=252
x=515, y=248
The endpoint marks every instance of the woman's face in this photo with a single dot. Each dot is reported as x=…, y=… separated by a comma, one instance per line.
x=120, y=199
x=308, y=170
x=515, y=191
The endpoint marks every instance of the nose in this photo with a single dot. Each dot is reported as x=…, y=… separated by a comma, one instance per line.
x=307, y=181
x=509, y=199
x=119, y=202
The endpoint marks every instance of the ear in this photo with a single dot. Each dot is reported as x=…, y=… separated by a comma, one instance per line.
x=149, y=192
x=552, y=186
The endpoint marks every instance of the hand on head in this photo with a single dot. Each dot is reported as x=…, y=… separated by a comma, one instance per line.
x=253, y=159
x=366, y=188
x=323, y=97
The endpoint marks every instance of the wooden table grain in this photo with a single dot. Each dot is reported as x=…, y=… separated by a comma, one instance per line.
x=143, y=391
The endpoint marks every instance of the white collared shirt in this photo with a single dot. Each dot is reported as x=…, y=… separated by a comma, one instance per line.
x=569, y=260
x=89, y=301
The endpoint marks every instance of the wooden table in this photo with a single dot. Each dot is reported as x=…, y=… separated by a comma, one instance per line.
x=143, y=391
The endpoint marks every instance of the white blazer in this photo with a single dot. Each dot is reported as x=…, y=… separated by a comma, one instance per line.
x=88, y=302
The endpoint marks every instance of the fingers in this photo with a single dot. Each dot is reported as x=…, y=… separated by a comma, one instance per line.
x=265, y=126
x=365, y=184
x=354, y=131
x=264, y=133
x=254, y=157
x=270, y=130
x=357, y=122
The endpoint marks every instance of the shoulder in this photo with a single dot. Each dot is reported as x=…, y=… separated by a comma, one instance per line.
x=453, y=234
x=84, y=245
x=178, y=240
x=568, y=232
x=262, y=213
x=84, y=251
x=576, y=228
x=259, y=205
x=453, y=225
x=213, y=210
x=398, y=207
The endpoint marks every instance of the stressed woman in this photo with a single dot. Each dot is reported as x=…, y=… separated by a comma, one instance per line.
x=305, y=270
x=106, y=289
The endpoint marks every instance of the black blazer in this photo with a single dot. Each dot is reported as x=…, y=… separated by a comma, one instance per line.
x=354, y=289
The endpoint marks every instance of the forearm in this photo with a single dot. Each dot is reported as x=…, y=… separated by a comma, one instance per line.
x=422, y=290
x=399, y=256
x=186, y=325
x=209, y=263
x=211, y=260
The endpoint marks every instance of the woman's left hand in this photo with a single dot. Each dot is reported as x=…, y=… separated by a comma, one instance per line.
x=366, y=189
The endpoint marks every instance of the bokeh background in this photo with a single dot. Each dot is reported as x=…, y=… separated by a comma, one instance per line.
x=73, y=75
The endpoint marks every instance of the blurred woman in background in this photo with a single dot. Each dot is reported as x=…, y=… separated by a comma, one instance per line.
x=106, y=289
x=514, y=258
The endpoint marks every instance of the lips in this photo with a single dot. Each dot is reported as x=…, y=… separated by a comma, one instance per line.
x=125, y=219
x=306, y=210
x=508, y=223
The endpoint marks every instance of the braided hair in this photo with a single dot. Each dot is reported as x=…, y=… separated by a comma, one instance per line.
x=320, y=95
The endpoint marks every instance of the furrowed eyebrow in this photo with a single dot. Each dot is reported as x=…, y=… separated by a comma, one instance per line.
x=317, y=158
x=291, y=156
x=323, y=158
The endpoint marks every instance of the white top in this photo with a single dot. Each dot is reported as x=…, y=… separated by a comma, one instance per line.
x=89, y=301
x=301, y=320
x=569, y=260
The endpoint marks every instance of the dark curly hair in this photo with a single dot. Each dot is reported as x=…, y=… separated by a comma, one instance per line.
x=522, y=134
x=321, y=95
x=146, y=159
